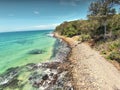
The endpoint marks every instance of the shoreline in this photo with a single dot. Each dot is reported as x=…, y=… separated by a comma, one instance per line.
x=48, y=75
x=70, y=43
x=88, y=69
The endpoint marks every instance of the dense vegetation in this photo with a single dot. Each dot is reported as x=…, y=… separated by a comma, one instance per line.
x=101, y=29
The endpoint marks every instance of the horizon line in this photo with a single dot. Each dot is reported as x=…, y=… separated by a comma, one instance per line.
x=28, y=30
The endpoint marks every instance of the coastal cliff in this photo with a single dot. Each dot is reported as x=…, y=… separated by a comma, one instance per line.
x=88, y=69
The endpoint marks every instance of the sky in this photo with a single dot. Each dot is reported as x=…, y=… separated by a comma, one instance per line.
x=18, y=15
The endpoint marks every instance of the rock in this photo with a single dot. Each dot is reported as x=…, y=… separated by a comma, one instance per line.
x=45, y=77
x=55, y=76
x=51, y=65
x=30, y=78
x=51, y=74
x=30, y=66
x=36, y=85
x=37, y=51
x=10, y=75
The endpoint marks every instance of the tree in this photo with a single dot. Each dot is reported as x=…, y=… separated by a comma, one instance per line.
x=102, y=10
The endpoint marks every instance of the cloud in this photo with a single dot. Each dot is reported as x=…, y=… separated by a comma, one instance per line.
x=38, y=27
x=49, y=26
x=75, y=2
x=36, y=12
x=69, y=2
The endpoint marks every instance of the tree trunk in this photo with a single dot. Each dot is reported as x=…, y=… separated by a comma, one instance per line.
x=105, y=29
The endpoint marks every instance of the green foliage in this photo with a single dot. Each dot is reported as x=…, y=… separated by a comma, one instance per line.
x=67, y=29
x=111, y=50
x=114, y=45
x=102, y=26
x=103, y=52
x=92, y=29
x=78, y=27
x=114, y=26
x=103, y=10
x=84, y=37
x=114, y=56
x=103, y=7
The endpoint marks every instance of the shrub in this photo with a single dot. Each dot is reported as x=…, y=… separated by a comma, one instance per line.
x=114, y=56
x=84, y=37
x=94, y=30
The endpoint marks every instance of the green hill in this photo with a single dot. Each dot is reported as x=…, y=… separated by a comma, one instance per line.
x=92, y=31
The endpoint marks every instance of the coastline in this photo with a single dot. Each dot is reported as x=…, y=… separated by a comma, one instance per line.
x=74, y=66
x=71, y=43
x=88, y=68
x=48, y=75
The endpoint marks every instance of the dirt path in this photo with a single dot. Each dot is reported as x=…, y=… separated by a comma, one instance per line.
x=90, y=71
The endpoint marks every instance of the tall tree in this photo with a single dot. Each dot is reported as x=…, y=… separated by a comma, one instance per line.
x=102, y=10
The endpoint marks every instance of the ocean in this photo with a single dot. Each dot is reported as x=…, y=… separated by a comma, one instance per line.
x=32, y=60
x=15, y=48
x=18, y=49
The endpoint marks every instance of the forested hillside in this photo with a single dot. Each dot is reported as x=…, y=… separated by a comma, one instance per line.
x=101, y=29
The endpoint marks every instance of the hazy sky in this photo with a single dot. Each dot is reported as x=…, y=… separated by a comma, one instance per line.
x=39, y=14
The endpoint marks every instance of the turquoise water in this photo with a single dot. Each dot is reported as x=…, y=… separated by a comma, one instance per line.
x=15, y=48
x=30, y=60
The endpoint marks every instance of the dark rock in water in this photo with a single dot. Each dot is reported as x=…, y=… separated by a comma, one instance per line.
x=9, y=77
x=13, y=69
x=37, y=51
x=31, y=66
x=51, y=74
x=11, y=72
x=11, y=84
x=36, y=85
x=30, y=78
x=22, y=42
x=45, y=77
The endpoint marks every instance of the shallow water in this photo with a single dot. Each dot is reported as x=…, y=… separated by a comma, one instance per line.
x=15, y=48
x=33, y=57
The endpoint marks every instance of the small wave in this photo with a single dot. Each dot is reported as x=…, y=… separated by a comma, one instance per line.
x=50, y=34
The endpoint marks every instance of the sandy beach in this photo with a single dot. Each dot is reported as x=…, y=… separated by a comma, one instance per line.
x=88, y=69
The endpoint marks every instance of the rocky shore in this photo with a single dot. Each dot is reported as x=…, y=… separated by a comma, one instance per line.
x=51, y=75
x=73, y=66
x=88, y=69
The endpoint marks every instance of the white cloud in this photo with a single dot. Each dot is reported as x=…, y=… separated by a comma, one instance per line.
x=25, y=28
x=38, y=27
x=49, y=26
x=69, y=2
x=36, y=12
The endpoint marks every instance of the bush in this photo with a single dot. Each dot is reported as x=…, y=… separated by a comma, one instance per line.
x=94, y=30
x=84, y=37
x=114, y=56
